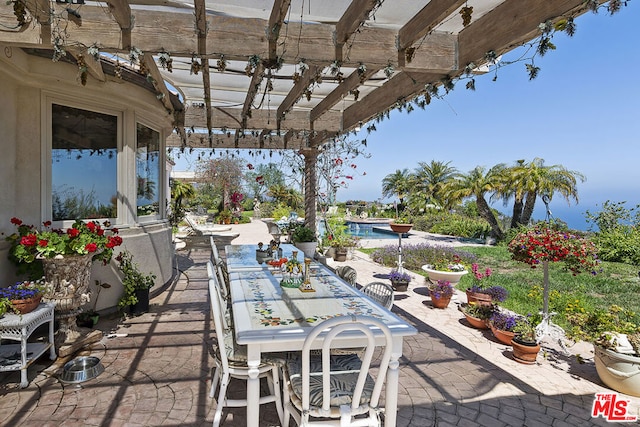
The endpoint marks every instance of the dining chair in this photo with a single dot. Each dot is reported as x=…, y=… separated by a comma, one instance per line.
x=380, y=292
x=341, y=387
x=215, y=254
x=348, y=273
x=231, y=363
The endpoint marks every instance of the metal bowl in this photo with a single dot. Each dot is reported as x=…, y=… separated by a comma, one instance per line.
x=81, y=369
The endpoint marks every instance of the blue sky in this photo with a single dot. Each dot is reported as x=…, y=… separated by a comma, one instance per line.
x=582, y=112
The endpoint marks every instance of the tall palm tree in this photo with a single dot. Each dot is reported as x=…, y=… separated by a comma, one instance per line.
x=396, y=183
x=180, y=191
x=478, y=183
x=428, y=180
x=525, y=182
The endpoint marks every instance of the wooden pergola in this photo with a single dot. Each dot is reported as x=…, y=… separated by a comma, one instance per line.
x=280, y=74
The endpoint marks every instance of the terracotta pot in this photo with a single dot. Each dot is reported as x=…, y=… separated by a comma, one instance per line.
x=400, y=285
x=452, y=277
x=442, y=302
x=479, y=298
x=525, y=352
x=400, y=228
x=24, y=306
x=475, y=322
x=619, y=371
x=505, y=337
x=340, y=255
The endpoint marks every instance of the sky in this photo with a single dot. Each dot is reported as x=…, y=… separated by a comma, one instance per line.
x=581, y=112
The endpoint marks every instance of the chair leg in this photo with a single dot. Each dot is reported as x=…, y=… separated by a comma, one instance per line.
x=286, y=416
x=222, y=396
x=214, y=382
x=277, y=392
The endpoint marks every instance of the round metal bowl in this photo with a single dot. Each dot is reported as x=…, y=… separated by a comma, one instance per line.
x=81, y=369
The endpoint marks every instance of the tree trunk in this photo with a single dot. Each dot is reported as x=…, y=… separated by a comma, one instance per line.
x=529, y=204
x=485, y=212
x=516, y=216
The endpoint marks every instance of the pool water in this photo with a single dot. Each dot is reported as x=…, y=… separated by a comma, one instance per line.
x=365, y=230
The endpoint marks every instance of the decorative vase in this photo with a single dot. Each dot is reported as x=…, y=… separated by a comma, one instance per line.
x=479, y=298
x=69, y=278
x=476, y=322
x=619, y=371
x=442, y=302
x=525, y=352
x=400, y=285
x=505, y=337
x=400, y=228
x=24, y=306
x=309, y=248
x=452, y=277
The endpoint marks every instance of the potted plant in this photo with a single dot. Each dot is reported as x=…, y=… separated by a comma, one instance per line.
x=615, y=336
x=502, y=325
x=224, y=217
x=449, y=268
x=441, y=293
x=341, y=242
x=304, y=238
x=136, y=285
x=89, y=318
x=525, y=342
x=399, y=280
x=5, y=305
x=482, y=294
x=23, y=297
x=401, y=224
x=477, y=315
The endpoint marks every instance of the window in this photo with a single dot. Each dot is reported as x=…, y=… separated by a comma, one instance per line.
x=83, y=164
x=147, y=171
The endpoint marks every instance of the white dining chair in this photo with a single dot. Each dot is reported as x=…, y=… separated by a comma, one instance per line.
x=380, y=292
x=215, y=254
x=231, y=362
x=341, y=387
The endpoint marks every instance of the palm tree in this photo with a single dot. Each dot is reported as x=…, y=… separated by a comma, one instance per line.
x=180, y=190
x=478, y=184
x=396, y=183
x=428, y=180
x=525, y=182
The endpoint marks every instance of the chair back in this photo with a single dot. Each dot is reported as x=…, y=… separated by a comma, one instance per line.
x=380, y=292
x=357, y=327
x=191, y=223
x=348, y=273
x=221, y=326
x=215, y=255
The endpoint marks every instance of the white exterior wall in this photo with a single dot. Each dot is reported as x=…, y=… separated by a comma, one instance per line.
x=27, y=86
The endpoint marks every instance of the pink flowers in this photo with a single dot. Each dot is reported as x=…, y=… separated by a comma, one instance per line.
x=477, y=274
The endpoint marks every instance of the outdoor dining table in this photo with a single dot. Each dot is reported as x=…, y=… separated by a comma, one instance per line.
x=271, y=318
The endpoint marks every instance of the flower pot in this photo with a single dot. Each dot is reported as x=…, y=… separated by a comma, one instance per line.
x=619, y=371
x=525, y=352
x=309, y=248
x=479, y=298
x=142, y=306
x=441, y=302
x=24, y=306
x=400, y=285
x=340, y=255
x=505, y=337
x=400, y=228
x=475, y=322
x=452, y=277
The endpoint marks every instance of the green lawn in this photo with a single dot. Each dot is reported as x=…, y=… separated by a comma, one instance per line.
x=616, y=284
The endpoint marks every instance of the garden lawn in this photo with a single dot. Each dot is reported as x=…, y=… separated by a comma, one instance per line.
x=616, y=283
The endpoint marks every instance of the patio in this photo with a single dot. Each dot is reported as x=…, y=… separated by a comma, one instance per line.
x=158, y=368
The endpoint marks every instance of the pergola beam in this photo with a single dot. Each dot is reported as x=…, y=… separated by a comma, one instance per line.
x=256, y=79
x=201, y=30
x=357, y=13
x=121, y=12
x=40, y=10
x=296, y=92
x=158, y=81
x=278, y=12
x=93, y=66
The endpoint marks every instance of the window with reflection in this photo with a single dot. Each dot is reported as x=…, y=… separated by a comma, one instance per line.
x=83, y=164
x=147, y=170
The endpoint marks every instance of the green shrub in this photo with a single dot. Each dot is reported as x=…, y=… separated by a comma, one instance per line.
x=452, y=225
x=619, y=245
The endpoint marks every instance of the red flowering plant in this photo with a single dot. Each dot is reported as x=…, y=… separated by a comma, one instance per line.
x=82, y=238
x=545, y=242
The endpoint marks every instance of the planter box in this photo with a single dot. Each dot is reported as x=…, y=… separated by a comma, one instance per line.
x=619, y=371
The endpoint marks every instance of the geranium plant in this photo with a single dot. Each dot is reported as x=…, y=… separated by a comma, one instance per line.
x=442, y=288
x=82, y=238
x=545, y=242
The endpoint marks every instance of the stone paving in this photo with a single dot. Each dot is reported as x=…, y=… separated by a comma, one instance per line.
x=158, y=366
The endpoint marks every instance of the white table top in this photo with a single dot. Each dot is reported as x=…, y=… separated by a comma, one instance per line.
x=244, y=257
x=266, y=313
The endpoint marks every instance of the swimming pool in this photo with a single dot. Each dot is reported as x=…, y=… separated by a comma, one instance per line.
x=364, y=230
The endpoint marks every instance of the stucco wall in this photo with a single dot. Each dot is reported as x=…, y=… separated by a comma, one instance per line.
x=25, y=82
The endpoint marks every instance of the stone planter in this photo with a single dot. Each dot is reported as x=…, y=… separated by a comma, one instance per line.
x=621, y=372
x=340, y=255
x=452, y=277
x=309, y=248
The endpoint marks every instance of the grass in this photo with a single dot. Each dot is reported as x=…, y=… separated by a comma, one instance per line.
x=617, y=283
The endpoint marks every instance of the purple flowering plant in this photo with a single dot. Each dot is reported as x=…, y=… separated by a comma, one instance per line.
x=504, y=321
x=442, y=288
x=396, y=276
